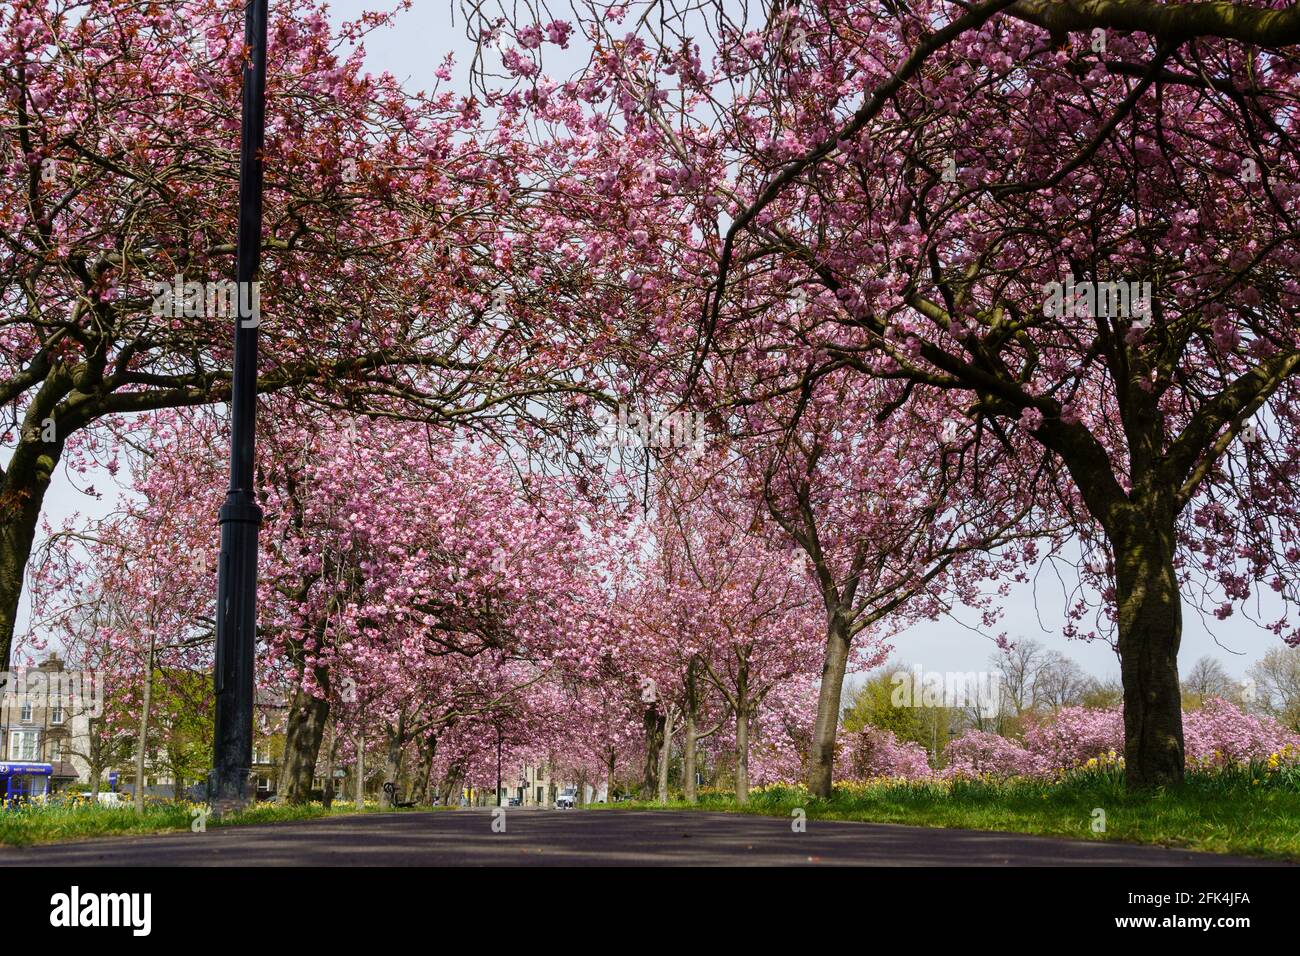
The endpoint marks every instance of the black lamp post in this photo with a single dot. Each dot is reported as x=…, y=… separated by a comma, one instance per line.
x=498, y=765
x=240, y=517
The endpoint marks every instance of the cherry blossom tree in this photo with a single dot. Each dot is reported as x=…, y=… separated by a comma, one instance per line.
x=408, y=582
x=387, y=247
x=754, y=616
x=1067, y=226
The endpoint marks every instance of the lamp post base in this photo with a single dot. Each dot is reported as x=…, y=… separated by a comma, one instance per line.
x=234, y=794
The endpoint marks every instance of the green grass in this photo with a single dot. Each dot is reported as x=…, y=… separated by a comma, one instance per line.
x=53, y=822
x=1246, y=811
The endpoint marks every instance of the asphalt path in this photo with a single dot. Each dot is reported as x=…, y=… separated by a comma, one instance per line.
x=594, y=838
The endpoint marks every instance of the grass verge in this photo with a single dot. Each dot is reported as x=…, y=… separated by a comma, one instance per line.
x=1246, y=811
x=56, y=822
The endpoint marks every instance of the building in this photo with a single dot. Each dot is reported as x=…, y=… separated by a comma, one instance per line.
x=44, y=724
x=46, y=715
x=537, y=787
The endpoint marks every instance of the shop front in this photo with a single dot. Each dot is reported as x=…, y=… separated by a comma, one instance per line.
x=23, y=780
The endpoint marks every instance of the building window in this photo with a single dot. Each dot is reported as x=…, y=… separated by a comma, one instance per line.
x=56, y=712
x=23, y=745
x=26, y=712
x=56, y=751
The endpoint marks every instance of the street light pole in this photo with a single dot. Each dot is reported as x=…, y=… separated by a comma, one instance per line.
x=240, y=517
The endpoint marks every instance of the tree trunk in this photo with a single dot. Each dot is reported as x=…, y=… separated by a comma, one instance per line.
x=359, y=789
x=821, y=754
x=94, y=758
x=743, y=713
x=609, y=777
x=304, y=730
x=331, y=750
x=22, y=492
x=141, y=746
x=742, y=755
x=420, y=786
x=690, y=790
x=393, y=760
x=451, y=782
x=1150, y=630
x=654, y=729
x=665, y=752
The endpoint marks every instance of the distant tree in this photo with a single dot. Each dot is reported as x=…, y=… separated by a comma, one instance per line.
x=1061, y=682
x=1018, y=668
x=1274, y=686
x=103, y=717
x=869, y=703
x=1104, y=694
x=1035, y=679
x=1207, y=679
x=183, y=718
x=872, y=703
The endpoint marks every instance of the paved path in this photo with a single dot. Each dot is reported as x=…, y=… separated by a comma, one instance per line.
x=592, y=838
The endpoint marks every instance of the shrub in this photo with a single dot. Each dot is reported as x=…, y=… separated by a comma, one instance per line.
x=876, y=752
x=1219, y=734
x=1074, y=736
x=977, y=753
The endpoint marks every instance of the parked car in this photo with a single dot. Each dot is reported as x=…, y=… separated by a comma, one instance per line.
x=567, y=799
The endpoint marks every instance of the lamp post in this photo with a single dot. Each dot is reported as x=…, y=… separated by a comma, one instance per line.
x=498, y=764
x=240, y=517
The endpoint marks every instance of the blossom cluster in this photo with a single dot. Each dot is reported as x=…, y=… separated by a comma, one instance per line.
x=1217, y=735
x=876, y=752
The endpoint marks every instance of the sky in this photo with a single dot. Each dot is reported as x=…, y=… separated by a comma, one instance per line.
x=411, y=51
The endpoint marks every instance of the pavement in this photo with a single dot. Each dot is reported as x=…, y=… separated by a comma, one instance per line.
x=595, y=838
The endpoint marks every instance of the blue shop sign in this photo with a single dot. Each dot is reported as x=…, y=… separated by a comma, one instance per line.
x=22, y=780
x=27, y=769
